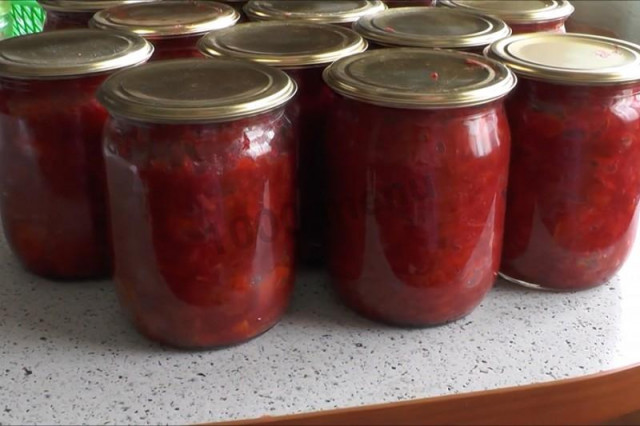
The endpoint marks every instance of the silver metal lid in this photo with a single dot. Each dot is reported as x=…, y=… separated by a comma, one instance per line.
x=196, y=90
x=68, y=53
x=320, y=11
x=431, y=28
x=569, y=58
x=84, y=5
x=284, y=44
x=415, y=78
x=516, y=11
x=167, y=18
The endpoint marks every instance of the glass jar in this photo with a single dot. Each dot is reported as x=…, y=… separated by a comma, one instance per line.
x=202, y=193
x=302, y=50
x=417, y=167
x=174, y=27
x=74, y=14
x=574, y=187
x=523, y=16
x=409, y=3
x=52, y=178
x=239, y=6
x=341, y=12
x=431, y=28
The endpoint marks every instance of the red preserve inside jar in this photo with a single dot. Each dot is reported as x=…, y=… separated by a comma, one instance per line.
x=302, y=50
x=202, y=212
x=59, y=20
x=417, y=189
x=52, y=175
x=174, y=27
x=575, y=174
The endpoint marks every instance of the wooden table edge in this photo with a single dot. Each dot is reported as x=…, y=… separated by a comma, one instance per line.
x=591, y=399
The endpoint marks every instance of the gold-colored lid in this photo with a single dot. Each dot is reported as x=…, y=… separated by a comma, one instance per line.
x=320, y=11
x=431, y=28
x=167, y=18
x=516, y=11
x=84, y=5
x=416, y=78
x=69, y=53
x=569, y=58
x=196, y=90
x=284, y=44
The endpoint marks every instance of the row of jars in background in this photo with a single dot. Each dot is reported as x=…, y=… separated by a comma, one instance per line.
x=201, y=170
x=179, y=24
x=174, y=27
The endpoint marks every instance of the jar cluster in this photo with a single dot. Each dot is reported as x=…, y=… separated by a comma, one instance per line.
x=201, y=152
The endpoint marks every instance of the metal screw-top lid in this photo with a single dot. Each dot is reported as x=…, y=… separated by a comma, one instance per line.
x=70, y=53
x=569, y=58
x=167, y=18
x=284, y=44
x=196, y=90
x=84, y=5
x=516, y=11
x=431, y=28
x=324, y=12
x=416, y=78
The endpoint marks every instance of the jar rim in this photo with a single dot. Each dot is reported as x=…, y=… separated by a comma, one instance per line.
x=416, y=78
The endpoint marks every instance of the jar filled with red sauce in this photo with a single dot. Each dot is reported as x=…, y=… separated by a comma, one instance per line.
x=339, y=12
x=174, y=27
x=202, y=192
x=523, y=16
x=431, y=28
x=52, y=178
x=574, y=187
x=409, y=3
x=418, y=155
x=75, y=14
x=302, y=50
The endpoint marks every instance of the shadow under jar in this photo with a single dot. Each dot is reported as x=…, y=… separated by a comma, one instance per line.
x=574, y=187
x=302, y=50
x=75, y=14
x=418, y=164
x=339, y=12
x=523, y=16
x=431, y=28
x=202, y=193
x=174, y=27
x=52, y=178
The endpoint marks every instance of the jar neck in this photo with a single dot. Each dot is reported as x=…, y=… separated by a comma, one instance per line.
x=558, y=91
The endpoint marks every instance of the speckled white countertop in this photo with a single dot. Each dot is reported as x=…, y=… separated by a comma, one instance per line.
x=68, y=356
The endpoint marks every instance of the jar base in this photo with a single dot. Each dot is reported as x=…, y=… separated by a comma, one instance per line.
x=541, y=287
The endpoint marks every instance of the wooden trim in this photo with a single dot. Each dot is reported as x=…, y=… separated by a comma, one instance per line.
x=591, y=399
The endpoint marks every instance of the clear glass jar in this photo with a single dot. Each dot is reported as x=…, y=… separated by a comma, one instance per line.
x=174, y=27
x=574, y=188
x=339, y=12
x=202, y=194
x=431, y=28
x=302, y=50
x=417, y=166
x=523, y=16
x=52, y=178
x=75, y=14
